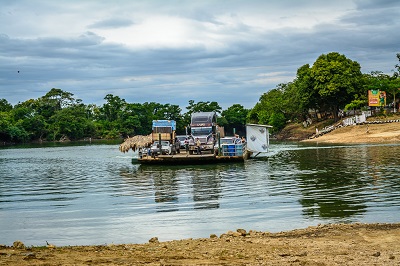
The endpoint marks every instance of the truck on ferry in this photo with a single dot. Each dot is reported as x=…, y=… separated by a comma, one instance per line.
x=203, y=127
x=164, y=138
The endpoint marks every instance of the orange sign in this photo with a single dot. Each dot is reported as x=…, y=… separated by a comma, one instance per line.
x=376, y=98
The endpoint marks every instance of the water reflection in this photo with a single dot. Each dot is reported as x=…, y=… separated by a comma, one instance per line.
x=329, y=183
x=341, y=185
x=165, y=189
x=184, y=184
x=94, y=194
x=206, y=188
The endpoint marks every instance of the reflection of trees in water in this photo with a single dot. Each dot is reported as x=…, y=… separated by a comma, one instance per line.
x=327, y=197
x=345, y=180
x=331, y=183
x=144, y=181
x=163, y=181
x=169, y=183
x=206, y=188
x=165, y=186
x=136, y=181
x=382, y=166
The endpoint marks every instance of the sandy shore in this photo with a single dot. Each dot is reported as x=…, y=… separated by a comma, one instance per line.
x=340, y=244
x=367, y=133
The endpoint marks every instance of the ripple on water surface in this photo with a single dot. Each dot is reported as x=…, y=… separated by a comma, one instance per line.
x=93, y=194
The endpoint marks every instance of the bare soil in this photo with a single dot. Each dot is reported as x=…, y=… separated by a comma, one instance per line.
x=366, y=133
x=336, y=244
x=296, y=131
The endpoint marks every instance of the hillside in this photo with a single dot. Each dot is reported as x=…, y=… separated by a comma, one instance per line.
x=296, y=131
x=366, y=133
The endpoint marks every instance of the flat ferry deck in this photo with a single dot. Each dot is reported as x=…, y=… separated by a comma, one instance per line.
x=184, y=158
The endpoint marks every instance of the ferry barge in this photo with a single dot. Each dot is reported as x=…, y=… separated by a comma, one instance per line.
x=236, y=151
x=230, y=153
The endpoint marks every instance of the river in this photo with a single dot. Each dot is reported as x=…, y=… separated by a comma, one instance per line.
x=92, y=194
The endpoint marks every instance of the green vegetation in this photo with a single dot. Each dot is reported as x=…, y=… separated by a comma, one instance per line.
x=58, y=115
x=332, y=83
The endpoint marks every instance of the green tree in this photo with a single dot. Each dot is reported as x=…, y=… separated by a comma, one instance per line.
x=5, y=106
x=397, y=66
x=395, y=83
x=335, y=79
x=144, y=115
x=110, y=116
x=277, y=120
x=113, y=108
x=71, y=122
x=54, y=101
x=133, y=118
x=27, y=116
x=300, y=96
x=376, y=80
x=235, y=116
x=5, y=123
x=203, y=107
x=270, y=109
x=17, y=133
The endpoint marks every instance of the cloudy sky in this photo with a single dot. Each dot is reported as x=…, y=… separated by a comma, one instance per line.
x=171, y=51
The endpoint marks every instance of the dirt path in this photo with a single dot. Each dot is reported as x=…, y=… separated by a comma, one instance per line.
x=352, y=244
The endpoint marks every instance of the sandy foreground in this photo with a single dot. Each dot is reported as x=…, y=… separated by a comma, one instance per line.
x=367, y=133
x=336, y=244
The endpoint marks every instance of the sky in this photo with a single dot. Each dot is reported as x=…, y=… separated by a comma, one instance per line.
x=173, y=51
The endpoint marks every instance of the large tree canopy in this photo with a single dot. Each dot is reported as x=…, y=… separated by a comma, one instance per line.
x=270, y=110
x=335, y=79
x=333, y=82
x=235, y=117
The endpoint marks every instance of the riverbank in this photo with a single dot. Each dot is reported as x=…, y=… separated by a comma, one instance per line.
x=365, y=133
x=335, y=244
x=378, y=130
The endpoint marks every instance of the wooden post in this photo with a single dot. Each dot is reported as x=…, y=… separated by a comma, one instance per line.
x=159, y=142
x=219, y=143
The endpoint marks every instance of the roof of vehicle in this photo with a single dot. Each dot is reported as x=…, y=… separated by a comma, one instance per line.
x=164, y=123
x=203, y=117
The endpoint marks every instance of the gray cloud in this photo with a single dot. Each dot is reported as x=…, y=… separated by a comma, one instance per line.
x=228, y=53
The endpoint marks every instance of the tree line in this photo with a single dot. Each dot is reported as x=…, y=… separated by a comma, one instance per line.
x=58, y=115
x=333, y=82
